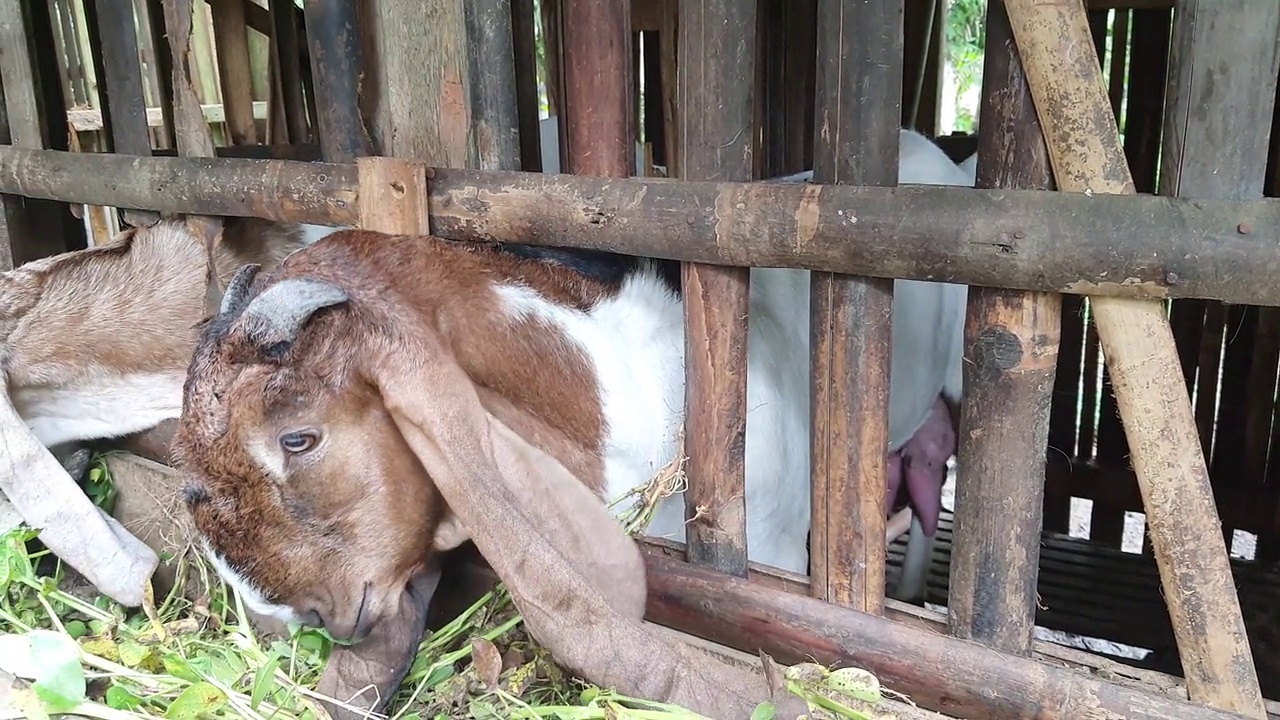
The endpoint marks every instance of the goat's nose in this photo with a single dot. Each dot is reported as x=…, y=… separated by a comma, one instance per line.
x=311, y=618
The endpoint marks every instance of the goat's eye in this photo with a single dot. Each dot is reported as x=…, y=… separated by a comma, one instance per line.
x=298, y=442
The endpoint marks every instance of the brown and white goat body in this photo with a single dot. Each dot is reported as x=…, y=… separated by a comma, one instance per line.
x=350, y=411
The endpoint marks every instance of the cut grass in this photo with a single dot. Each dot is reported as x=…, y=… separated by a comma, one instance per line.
x=185, y=659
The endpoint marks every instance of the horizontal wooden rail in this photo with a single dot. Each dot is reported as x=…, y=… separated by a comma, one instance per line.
x=957, y=677
x=1111, y=246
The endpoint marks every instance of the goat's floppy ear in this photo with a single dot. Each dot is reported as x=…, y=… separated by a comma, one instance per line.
x=575, y=576
x=273, y=318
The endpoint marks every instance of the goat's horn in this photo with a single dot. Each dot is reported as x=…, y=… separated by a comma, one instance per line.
x=233, y=298
x=278, y=313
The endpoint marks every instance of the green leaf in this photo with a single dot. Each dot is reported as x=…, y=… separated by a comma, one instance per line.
x=764, y=711
x=263, y=681
x=196, y=702
x=61, y=683
x=76, y=628
x=178, y=667
x=132, y=653
x=120, y=698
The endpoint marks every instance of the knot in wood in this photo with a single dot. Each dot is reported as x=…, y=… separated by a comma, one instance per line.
x=995, y=351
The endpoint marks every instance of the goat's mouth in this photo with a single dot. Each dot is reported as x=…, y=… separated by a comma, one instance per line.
x=359, y=628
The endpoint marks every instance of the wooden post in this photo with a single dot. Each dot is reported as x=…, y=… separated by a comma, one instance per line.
x=597, y=117
x=333, y=37
x=190, y=131
x=124, y=106
x=34, y=228
x=857, y=136
x=288, y=60
x=1066, y=82
x=494, y=113
x=231, y=40
x=1011, y=349
x=716, y=86
x=417, y=76
x=525, y=48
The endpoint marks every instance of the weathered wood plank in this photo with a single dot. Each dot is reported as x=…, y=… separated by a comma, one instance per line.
x=525, y=48
x=716, y=87
x=599, y=129
x=336, y=53
x=1069, y=240
x=416, y=68
x=858, y=116
x=190, y=132
x=231, y=40
x=288, y=62
x=495, y=120
x=18, y=77
x=1011, y=348
x=937, y=672
x=1142, y=358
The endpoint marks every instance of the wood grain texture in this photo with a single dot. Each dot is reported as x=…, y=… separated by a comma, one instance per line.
x=716, y=88
x=525, y=49
x=858, y=116
x=937, y=672
x=494, y=111
x=124, y=115
x=393, y=195
x=419, y=78
x=1084, y=146
x=286, y=45
x=1071, y=242
x=597, y=116
x=1011, y=349
x=337, y=53
x=18, y=78
x=190, y=132
x=231, y=40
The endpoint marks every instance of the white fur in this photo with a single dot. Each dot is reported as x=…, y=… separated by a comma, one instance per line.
x=311, y=234
x=101, y=406
x=249, y=593
x=635, y=343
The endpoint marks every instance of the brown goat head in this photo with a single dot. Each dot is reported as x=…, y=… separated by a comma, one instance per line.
x=307, y=497
x=338, y=425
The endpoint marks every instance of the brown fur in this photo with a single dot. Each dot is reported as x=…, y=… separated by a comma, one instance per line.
x=408, y=384
x=362, y=476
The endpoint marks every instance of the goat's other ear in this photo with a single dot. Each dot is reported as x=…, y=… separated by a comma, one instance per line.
x=272, y=320
x=576, y=577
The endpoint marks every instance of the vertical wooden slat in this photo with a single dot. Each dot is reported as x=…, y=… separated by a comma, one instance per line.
x=918, y=50
x=494, y=114
x=716, y=86
x=1011, y=347
x=655, y=126
x=525, y=47
x=288, y=57
x=231, y=44
x=124, y=106
x=857, y=128
x=164, y=68
x=334, y=42
x=597, y=117
x=191, y=133
x=36, y=118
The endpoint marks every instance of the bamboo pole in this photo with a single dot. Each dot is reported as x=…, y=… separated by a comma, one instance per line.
x=1084, y=147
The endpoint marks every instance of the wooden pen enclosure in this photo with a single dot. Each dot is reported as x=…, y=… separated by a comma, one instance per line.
x=250, y=107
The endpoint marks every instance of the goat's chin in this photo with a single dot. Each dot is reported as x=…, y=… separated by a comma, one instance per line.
x=375, y=666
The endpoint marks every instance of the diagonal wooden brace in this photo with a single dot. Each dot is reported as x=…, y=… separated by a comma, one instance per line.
x=1084, y=147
